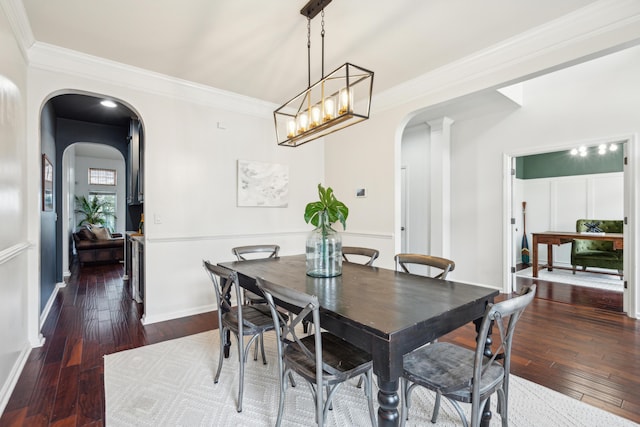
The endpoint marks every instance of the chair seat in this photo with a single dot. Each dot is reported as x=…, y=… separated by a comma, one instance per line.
x=449, y=368
x=346, y=359
x=600, y=254
x=254, y=298
x=255, y=320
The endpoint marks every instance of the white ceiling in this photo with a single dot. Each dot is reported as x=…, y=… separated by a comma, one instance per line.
x=258, y=48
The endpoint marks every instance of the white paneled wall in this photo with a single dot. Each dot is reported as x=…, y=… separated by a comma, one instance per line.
x=554, y=204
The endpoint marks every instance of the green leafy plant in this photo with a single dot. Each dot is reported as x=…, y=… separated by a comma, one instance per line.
x=326, y=210
x=95, y=210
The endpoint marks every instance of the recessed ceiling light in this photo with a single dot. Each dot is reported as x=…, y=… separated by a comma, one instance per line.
x=108, y=103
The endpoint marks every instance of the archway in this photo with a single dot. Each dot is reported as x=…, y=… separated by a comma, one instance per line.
x=67, y=118
x=77, y=160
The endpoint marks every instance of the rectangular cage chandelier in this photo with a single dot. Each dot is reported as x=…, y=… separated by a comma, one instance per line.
x=338, y=100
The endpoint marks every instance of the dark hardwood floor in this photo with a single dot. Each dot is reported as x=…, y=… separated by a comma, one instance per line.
x=582, y=349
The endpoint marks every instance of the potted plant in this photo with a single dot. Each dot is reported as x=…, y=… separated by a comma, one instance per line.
x=324, y=244
x=95, y=210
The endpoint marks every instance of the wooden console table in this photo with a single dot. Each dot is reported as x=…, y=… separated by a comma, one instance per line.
x=551, y=238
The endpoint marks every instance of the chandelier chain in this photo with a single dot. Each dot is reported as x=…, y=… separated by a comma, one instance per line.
x=308, y=52
x=322, y=35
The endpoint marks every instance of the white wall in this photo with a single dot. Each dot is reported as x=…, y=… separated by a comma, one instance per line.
x=14, y=243
x=554, y=204
x=82, y=187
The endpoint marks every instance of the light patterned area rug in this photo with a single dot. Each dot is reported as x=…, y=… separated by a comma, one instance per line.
x=171, y=384
x=609, y=282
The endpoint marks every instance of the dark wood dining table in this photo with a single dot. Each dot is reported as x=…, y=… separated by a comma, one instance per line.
x=384, y=312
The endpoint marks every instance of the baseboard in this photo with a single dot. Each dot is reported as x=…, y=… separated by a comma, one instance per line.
x=148, y=320
x=12, y=379
x=52, y=298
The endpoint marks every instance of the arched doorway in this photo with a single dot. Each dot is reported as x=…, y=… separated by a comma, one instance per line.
x=67, y=119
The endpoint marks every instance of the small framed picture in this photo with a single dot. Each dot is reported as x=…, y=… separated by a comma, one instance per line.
x=361, y=192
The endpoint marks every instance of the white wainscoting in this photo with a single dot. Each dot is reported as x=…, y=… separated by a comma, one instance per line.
x=15, y=347
x=180, y=286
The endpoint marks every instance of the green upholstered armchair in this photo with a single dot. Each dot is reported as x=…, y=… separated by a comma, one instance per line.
x=596, y=253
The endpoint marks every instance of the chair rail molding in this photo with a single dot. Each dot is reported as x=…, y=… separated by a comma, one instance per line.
x=13, y=251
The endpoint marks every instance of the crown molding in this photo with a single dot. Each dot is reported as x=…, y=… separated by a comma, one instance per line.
x=605, y=25
x=17, y=17
x=58, y=59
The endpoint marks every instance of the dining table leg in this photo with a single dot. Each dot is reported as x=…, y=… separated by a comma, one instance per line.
x=550, y=257
x=534, y=259
x=388, y=400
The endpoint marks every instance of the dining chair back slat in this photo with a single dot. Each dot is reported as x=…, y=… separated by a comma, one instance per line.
x=404, y=260
x=355, y=253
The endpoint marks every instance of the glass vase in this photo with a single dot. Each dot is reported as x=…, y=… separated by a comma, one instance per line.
x=324, y=252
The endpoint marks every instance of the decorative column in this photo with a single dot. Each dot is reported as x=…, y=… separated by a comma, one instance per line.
x=440, y=188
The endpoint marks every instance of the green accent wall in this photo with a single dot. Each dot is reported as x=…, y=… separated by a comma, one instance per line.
x=562, y=163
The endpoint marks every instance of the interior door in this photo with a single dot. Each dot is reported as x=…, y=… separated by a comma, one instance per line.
x=516, y=196
x=404, y=209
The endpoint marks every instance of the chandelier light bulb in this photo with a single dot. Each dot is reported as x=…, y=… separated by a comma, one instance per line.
x=574, y=151
x=329, y=109
x=315, y=116
x=291, y=128
x=303, y=121
x=346, y=100
x=613, y=147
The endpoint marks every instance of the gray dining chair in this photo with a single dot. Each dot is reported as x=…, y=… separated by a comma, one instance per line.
x=354, y=254
x=469, y=376
x=245, y=253
x=324, y=360
x=404, y=260
x=241, y=320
